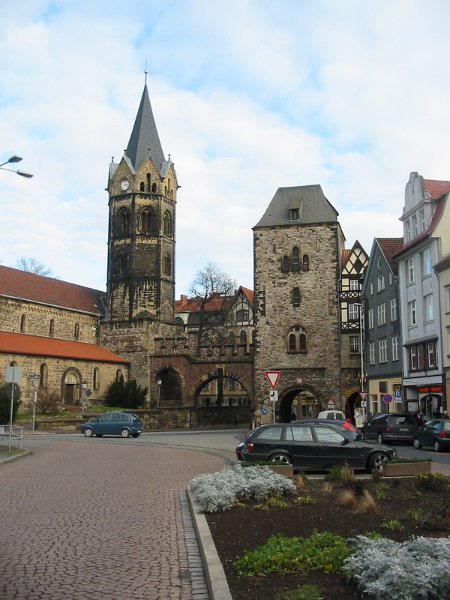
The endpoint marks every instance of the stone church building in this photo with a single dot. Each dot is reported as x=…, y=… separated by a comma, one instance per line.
x=78, y=340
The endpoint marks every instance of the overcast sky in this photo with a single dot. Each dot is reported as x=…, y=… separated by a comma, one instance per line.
x=248, y=96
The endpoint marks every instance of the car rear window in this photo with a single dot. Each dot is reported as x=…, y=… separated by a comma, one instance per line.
x=404, y=419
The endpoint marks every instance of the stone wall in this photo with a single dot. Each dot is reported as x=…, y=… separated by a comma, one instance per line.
x=39, y=316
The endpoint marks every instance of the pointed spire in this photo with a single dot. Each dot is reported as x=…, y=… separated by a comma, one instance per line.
x=144, y=137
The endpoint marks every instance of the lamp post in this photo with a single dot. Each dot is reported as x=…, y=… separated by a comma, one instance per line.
x=83, y=394
x=159, y=382
x=15, y=159
x=34, y=381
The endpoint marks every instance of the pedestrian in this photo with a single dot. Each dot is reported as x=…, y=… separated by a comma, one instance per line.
x=445, y=414
x=419, y=418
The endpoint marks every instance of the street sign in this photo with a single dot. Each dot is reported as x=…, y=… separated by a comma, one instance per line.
x=387, y=398
x=273, y=395
x=273, y=378
x=363, y=404
x=363, y=395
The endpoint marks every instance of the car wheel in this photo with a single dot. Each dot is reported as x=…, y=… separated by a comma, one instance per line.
x=417, y=444
x=377, y=461
x=436, y=446
x=281, y=458
x=125, y=433
x=88, y=432
x=380, y=438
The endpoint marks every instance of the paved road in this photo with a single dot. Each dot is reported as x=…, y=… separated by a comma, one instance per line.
x=97, y=521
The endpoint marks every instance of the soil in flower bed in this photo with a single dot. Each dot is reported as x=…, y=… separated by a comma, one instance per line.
x=418, y=512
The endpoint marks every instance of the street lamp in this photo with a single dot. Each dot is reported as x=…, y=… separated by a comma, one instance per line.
x=34, y=382
x=15, y=159
x=159, y=382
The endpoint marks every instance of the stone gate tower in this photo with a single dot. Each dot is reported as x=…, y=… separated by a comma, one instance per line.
x=142, y=190
x=297, y=247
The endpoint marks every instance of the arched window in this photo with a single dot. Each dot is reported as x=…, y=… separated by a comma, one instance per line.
x=51, y=330
x=302, y=342
x=23, y=324
x=297, y=340
x=119, y=375
x=43, y=372
x=292, y=342
x=305, y=262
x=296, y=298
x=285, y=264
x=232, y=337
x=243, y=337
x=145, y=220
x=295, y=259
x=123, y=263
x=154, y=188
x=76, y=331
x=167, y=265
x=168, y=224
x=148, y=182
x=123, y=223
x=96, y=379
x=142, y=187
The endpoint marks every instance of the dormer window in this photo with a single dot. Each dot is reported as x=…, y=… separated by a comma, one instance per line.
x=294, y=214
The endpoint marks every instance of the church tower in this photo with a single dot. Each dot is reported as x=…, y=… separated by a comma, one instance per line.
x=142, y=191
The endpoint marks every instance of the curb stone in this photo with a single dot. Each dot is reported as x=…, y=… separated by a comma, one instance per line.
x=214, y=573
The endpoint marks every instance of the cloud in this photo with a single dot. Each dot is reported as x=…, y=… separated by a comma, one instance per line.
x=247, y=98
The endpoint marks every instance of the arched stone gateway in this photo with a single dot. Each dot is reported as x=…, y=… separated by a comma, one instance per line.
x=221, y=388
x=299, y=402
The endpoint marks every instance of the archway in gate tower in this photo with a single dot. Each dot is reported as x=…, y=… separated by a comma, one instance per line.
x=298, y=402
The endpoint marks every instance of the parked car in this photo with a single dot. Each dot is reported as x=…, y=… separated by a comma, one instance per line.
x=114, y=423
x=312, y=446
x=331, y=414
x=387, y=428
x=346, y=427
x=435, y=433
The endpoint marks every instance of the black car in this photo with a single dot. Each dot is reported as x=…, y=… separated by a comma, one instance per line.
x=347, y=428
x=385, y=428
x=310, y=446
x=435, y=433
x=114, y=423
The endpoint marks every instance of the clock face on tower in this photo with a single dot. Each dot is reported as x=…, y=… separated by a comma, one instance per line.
x=124, y=184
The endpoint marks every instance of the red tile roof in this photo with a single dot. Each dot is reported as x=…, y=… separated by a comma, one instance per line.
x=436, y=188
x=390, y=247
x=249, y=293
x=32, y=345
x=22, y=285
x=344, y=256
x=194, y=305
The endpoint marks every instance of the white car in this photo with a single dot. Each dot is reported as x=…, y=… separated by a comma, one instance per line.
x=331, y=414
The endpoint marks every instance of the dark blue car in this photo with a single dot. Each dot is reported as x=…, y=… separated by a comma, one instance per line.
x=114, y=423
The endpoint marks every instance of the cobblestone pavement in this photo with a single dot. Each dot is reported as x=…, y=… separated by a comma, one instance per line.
x=104, y=521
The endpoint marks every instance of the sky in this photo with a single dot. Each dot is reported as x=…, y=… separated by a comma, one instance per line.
x=248, y=96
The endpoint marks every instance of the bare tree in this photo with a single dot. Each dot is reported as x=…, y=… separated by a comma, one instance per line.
x=213, y=289
x=32, y=265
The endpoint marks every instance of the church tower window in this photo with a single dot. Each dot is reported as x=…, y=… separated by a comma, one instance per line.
x=297, y=340
x=295, y=259
x=296, y=297
x=148, y=182
x=168, y=265
x=51, y=331
x=23, y=324
x=305, y=262
x=168, y=225
x=285, y=264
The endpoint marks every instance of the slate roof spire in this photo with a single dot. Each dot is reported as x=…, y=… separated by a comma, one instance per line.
x=144, y=138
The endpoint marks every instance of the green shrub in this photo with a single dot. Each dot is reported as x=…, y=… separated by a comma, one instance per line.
x=125, y=394
x=5, y=406
x=320, y=552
